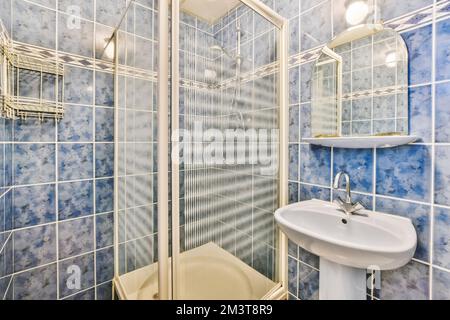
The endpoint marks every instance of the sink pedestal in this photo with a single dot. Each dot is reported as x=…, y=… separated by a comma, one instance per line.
x=339, y=282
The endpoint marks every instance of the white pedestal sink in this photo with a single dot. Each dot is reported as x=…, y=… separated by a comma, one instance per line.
x=348, y=246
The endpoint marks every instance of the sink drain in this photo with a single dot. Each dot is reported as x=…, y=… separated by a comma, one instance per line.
x=344, y=221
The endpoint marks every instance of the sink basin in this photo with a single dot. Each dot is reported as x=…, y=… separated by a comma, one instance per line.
x=377, y=241
x=348, y=245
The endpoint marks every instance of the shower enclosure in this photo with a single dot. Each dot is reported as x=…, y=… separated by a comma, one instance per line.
x=199, y=175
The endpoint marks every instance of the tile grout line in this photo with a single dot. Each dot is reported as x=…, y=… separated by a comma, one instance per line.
x=433, y=150
x=55, y=138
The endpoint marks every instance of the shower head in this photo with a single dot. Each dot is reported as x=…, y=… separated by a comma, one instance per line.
x=216, y=48
x=220, y=49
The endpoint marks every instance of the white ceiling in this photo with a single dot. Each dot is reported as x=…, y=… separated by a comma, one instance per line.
x=209, y=10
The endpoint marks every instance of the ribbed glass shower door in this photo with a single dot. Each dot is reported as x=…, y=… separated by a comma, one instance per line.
x=226, y=156
x=136, y=167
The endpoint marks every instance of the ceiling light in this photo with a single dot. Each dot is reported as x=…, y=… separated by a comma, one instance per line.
x=356, y=12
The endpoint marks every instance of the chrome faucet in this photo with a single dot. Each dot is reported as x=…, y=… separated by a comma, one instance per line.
x=346, y=205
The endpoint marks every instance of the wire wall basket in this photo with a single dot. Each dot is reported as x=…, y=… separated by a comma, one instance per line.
x=30, y=86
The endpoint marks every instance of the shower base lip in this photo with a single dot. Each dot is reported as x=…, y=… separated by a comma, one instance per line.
x=207, y=272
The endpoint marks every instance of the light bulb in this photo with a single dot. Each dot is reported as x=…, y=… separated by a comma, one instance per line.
x=356, y=12
x=391, y=59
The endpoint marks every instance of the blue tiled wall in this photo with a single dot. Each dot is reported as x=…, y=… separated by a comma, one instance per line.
x=411, y=181
x=56, y=196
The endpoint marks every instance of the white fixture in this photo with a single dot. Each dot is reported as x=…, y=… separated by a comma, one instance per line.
x=348, y=245
x=362, y=142
x=214, y=274
x=391, y=59
x=355, y=33
x=209, y=10
x=356, y=12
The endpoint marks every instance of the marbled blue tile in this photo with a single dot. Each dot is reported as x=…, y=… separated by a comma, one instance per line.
x=361, y=109
x=441, y=283
x=36, y=284
x=78, y=85
x=104, y=197
x=104, y=225
x=419, y=43
x=105, y=264
x=420, y=217
x=420, y=103
x=293, y=161
x=34, y=205
x=75, y=199
x=292, y=249
x=405, y=172
x=104, y=124
x=5, y=287
x=264, y=49
x=75, y=35
x=34, y=163
x=75, y=161
x=6, y=211
x=34, y=24
x=263, y=259
x=294, y=123
x=315, y=164
x=144, y=59
x=441, y=245
x=29, y=84
x=407, y=283
x=83, y=9
x=109, y=12
x=390, y=9
x=104, y=89
x=305, y=120
x=294, y=36
x=5, y=16
x=359, y=166
x=34, y=247
x=75, y=237
x=315, y=26
x=308, y=286
x=76, y=126
x=308, y=192
x=104, y=291
x=34, y=130
x=104, y=160
x=82, y=266
x=293, y=192
x=442, y=133
x=308, y=258
x=287, y=8
x=442, y=50
x=294, y=85
x=305, y=81
x=442, y=176
x=293, y=276
x=144, y=19
x=6, y=257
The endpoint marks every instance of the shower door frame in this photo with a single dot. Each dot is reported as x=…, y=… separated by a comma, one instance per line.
x=282, y=26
